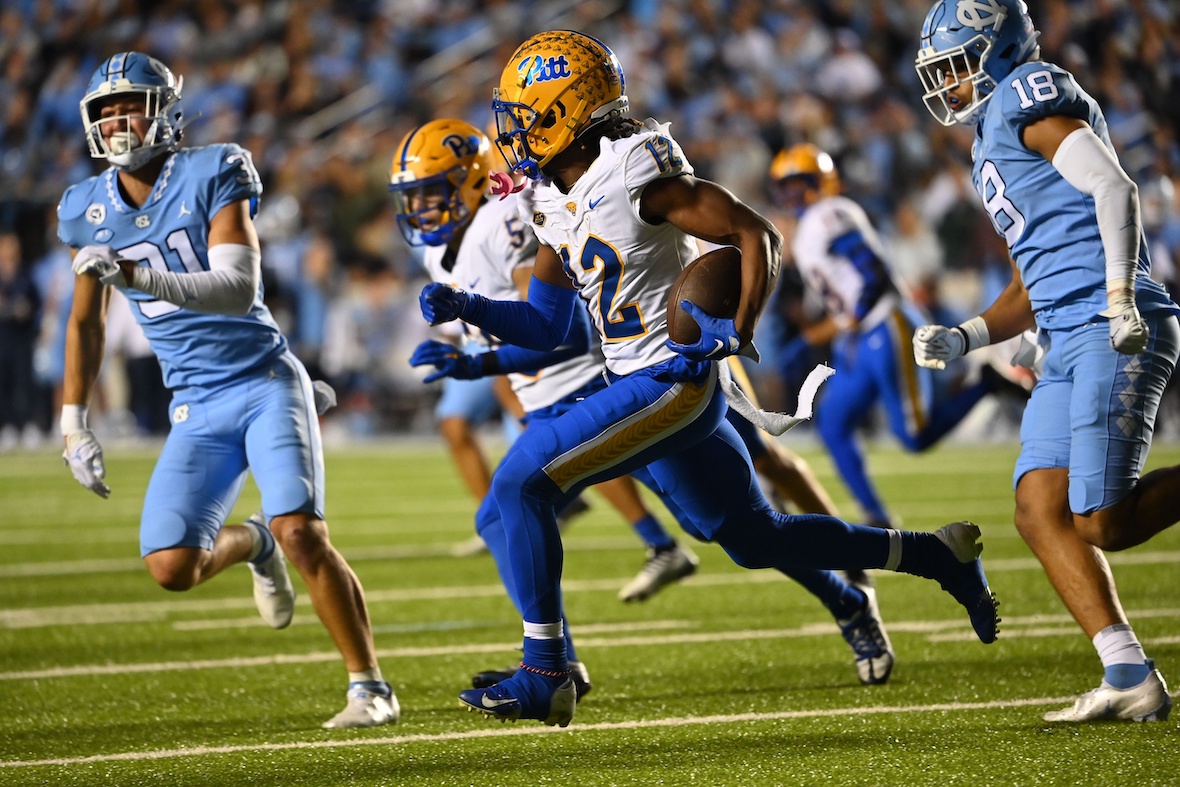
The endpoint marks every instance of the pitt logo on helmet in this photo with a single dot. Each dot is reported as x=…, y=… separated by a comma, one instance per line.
x=539, y=69
x=438, y=177
x=556, y=86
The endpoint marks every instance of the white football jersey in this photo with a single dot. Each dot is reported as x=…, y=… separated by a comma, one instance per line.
x=623, y=266
x=816, y=246
x=496, y=243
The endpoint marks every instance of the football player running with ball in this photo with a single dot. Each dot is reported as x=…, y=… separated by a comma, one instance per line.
x=173, y=228
x=616, y=207
x=1048, y=176
x=439, y=181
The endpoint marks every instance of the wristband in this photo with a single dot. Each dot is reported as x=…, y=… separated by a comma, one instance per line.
x=974, y=333
x=73, y=419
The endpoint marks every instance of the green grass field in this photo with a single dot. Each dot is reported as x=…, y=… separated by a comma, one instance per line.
x=731, y=678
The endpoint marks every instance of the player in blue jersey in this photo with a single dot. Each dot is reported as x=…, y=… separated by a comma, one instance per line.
x=173, y=228
x=1048, y=176
x=869, y=319
x=615, y=207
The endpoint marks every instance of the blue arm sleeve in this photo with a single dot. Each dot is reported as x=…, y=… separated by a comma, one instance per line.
x=540, y=324
x=852, y=245
x=510, y=358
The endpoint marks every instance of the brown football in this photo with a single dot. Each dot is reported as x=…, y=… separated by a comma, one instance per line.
x=712, y=281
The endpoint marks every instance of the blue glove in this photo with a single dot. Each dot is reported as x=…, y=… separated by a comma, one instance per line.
x=442, y=302
x=719, y=337
x=448, y=360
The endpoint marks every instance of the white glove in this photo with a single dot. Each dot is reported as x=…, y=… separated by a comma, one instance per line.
x=1128, y=330
x=102, y=262
x=934, y=345
x=325, y=396
x=84, y=456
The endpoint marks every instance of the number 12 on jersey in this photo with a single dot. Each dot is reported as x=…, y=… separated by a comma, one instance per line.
x=618, y=321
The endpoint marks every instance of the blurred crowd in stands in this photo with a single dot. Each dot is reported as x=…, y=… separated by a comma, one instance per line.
x=321, y=92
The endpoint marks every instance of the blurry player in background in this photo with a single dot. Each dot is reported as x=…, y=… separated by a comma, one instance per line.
x=869, y=322
x=615, y=207
x=1048, y=176
x=173, y=229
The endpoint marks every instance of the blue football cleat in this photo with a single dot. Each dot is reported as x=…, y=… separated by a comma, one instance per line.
x=525, y=695
x=578, y=674
x=967, y=582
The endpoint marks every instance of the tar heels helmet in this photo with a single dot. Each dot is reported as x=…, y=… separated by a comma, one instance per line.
x=802, y=174
x=556, y=86
x=439, y=174
x=133, y=74
x=976, y=41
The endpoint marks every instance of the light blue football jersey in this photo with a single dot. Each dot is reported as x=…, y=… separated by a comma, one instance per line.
x=1051, y=227
x=171, y=232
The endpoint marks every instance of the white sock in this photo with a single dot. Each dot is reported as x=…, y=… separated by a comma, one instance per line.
x=544, y=630
x=1117, y=644
x=255, y=540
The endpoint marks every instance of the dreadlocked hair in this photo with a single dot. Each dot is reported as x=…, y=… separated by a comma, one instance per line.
x=615, y=128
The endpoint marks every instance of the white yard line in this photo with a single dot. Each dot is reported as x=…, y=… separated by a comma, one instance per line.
x=936, y=630
x=536, y=729
x=165, y=607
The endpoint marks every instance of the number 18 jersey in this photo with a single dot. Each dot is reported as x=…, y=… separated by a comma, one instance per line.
x=1050, y=227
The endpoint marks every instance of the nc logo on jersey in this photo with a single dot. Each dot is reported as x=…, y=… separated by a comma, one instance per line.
x=96, y=213
x=539, y=69
x=104, y=235
x=539, y=219
x=142, y=221
x=180, y=414
x=981, y=14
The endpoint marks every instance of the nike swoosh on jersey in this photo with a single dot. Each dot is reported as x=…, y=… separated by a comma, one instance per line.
x=594, y=202
x=720, y=346
x=488, y=702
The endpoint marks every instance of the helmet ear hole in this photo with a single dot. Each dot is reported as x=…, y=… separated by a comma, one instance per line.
x=550, y=120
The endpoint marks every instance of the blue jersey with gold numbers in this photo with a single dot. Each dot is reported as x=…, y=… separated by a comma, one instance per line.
x=170, y=231
x=1050, y=227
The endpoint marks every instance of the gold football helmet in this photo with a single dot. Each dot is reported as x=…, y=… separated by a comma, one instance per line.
x=439, y=175
x=556, y=86
x=801, y=175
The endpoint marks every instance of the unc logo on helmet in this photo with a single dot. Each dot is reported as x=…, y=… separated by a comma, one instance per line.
x=438, y=177
x=132, y=78
x=976, y=42
x=556, y=86
x=980, y=15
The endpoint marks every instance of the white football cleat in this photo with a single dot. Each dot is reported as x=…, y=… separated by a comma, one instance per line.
x=870, y=645
x=663, y=567
x=274, y=595
x=1148, y=701
x=366, y=708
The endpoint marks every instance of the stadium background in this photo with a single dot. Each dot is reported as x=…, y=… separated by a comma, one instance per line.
x=321, y=92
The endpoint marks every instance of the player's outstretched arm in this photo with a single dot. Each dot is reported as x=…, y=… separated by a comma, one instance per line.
x=706, y=210
x=1011, y=314
x=541, y=323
